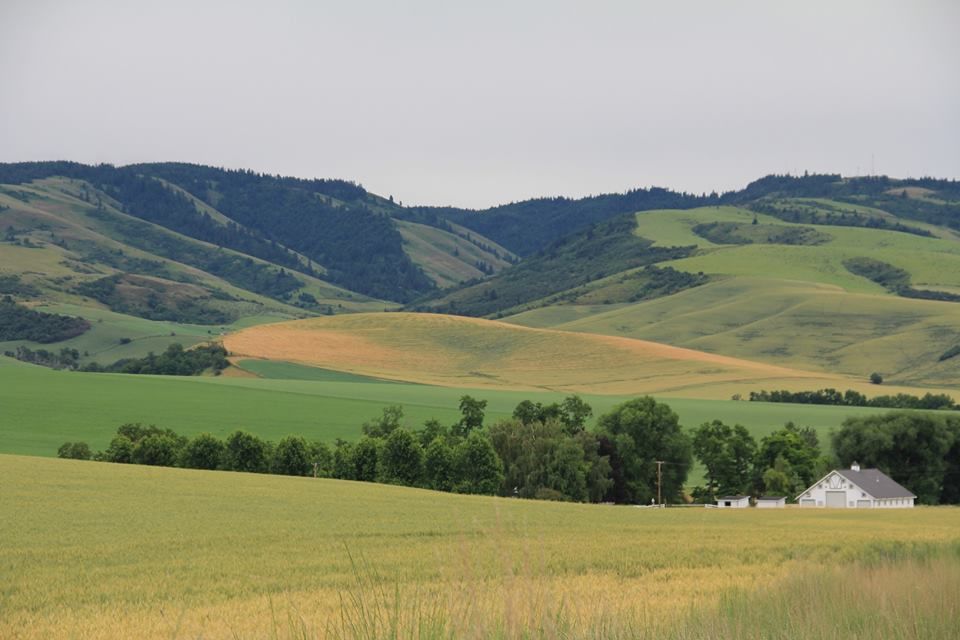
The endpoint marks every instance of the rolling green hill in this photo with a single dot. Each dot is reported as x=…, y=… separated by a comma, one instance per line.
x=451, y=255
x=291, y=399
x=609, y=248
x=839, y=277
x=799, y=305
x=66, y=248
x=331, y=229
x=529, y=226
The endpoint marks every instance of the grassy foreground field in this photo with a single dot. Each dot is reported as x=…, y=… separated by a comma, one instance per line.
x=93, y=550
x=42, y=408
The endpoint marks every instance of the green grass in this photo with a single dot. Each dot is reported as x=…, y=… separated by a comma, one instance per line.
x=931, y=261
x=673, y=227
x=795, y=306
x=100, y=550
x=796, y=324
x=291, y=371
x=42, y=408
x=805, y=310
x=103, y=342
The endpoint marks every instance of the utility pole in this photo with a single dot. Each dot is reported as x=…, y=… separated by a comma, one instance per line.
x=659, y=479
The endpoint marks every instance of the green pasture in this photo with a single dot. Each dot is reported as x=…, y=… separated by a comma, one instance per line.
x=931, y=261
x=42, y=408
x=292, y=371
x=113, y=336
x=673, y=227
x=789, y=323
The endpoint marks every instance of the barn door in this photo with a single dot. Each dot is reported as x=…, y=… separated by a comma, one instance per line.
x=837, y=499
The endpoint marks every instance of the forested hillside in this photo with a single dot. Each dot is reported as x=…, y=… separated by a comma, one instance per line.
x=330, y=222
x=528, y=226
x=605, y=249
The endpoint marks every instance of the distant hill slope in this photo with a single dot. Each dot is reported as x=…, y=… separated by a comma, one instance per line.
x=468, y=352
x=66, y=247
x=325, y=228
x=529, y=226
x=794, y=300
x=608, y=248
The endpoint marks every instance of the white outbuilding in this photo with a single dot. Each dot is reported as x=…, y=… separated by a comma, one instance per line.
x=857, y=488
x=734, y=502
x=771, y=502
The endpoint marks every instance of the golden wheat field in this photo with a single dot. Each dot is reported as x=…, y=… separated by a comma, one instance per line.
x=470, y=352
x=94, y=550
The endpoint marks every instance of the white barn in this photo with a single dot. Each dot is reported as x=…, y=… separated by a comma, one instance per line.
x=771, y=502
x=734, y=502
x=856, y=488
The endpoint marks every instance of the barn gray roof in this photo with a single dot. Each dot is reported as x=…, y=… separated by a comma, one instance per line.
x=876, y=483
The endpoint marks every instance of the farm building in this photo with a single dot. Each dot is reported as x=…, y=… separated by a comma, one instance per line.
x=734, y=502
x=771, y=502
x=856, y=488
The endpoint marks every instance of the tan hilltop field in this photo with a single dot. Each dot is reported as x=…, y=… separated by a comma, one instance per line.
x=469, y=352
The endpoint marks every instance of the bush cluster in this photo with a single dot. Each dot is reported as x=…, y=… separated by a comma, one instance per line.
x=851, y=398
x=542, y=451
x=175, y=361
x=21, y=323
x=545, y=452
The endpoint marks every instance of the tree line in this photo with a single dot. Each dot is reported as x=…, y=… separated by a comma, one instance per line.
x=851, y=398
x=18, y=322
x=546, y=452
x=541, y=451
x=175, y=361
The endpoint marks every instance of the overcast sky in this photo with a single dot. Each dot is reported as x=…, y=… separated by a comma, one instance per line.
x=478, y=103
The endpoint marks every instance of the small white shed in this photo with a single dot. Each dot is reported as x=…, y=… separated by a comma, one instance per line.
x=771, y=502
x=733, y=502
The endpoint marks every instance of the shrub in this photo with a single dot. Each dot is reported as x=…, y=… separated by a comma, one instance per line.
x=952, y=352
x=321, y=459
x=343, y=467
x=365, y=459
x=75, y=451
x=478, y=469
x=246, y=452
x=876, y=378
x=292, y=457
x=120, y=450
x=157, y=449
x=438, y=465
x=204, y=452
x=401, y=459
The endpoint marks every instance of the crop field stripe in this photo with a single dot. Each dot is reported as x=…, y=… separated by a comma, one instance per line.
x=169, y=552
x=473, y=353
x=42, y=408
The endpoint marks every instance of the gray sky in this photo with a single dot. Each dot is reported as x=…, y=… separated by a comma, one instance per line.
x=479, y=103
